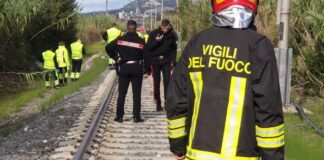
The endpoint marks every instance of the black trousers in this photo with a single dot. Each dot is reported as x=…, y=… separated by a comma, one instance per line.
x=76, y=68
x=50, y=73
x=63, y=75
x=76, y=65
x=165, y=68
x=130, y=73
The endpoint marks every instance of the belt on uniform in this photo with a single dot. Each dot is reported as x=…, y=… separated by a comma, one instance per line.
x=159, y=57
x=133, y=62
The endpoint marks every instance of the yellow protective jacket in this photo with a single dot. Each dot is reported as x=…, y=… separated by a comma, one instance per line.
x=146, y=37
x=113, y=34
x=77, y=50
x=49, y=59
x=62, y=57
x=223, y=100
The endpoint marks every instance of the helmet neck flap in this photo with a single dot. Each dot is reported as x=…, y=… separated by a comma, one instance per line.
x=235, y=16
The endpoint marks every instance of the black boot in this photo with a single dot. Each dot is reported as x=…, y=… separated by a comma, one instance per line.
x=61, y=82
x=65, y=81
x=138, y=120
x=118, y=119
x=159, y=108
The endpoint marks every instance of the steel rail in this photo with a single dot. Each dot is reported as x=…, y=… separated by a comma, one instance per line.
x=93, y=128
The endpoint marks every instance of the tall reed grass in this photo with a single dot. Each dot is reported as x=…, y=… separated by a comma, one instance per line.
x=306, y=38
x=90, y=28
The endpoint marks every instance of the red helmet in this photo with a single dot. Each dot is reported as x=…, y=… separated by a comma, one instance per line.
x=219, y=5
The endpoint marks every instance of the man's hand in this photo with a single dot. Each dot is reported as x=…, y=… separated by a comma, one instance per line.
x=118, y=60
x=159, y=38
x=146, y=75
x=180, y=158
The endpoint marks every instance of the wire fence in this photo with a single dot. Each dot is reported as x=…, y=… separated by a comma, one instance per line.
x=15, y=78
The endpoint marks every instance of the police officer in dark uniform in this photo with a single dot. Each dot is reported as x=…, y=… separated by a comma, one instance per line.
x=223, y=100
x=162, y=48
x=128, y=52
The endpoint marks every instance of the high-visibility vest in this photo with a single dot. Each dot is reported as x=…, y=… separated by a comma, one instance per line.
x=48, y=57
x=113, y=33
x=62, y=57
x=76, y=49
x=140, y=35
x=146, y=37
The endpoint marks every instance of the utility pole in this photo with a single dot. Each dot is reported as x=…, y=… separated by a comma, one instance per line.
x=283, y=52
x=177, y=10
x=155, y=15
x=178, y=25
x=162, y=9
x=107, y=13
x=284, y=8
x=151, y=11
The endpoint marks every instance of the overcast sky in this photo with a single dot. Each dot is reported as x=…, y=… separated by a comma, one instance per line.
x=100, y=5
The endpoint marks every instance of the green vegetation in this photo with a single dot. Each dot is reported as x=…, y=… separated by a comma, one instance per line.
x=14, y=102
x=194, y=17
x=301, y=141
x=95, y=48
x=306, y=39
x=27, y=27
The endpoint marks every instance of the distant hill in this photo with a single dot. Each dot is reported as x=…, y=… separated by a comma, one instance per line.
x=144, y=5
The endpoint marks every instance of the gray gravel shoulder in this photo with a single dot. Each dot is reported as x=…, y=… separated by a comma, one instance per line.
x=42, y=134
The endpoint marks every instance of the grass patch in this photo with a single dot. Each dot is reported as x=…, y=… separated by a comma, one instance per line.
x=99, y=65
x=13, y=103
x=95, y=48
x=301, y=140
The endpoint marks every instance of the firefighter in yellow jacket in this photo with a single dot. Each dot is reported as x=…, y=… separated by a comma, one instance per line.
x=78, y=52
x=223, y=100
x=111, y=34
x=49, y=65
x=63, y=60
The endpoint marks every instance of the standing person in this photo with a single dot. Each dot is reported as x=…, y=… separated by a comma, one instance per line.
x=224, y=100
x=162, y=47
x=109, y=36
x=112, y=33
x=128, y=52
x=78, y=52
x=50, y=64
x=63, y=60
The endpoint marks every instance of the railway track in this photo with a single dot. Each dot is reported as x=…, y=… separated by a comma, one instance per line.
x=104, y=139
